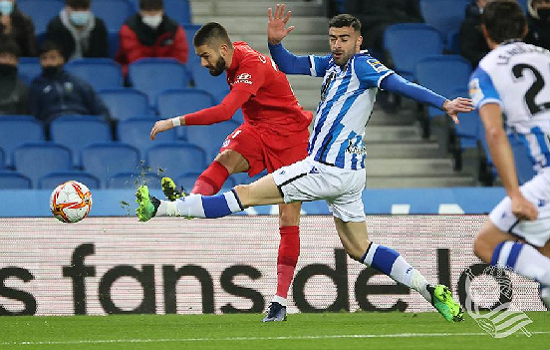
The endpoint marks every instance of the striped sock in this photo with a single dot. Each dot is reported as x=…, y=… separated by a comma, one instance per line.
x=217, y=206
x=391, y=263
x=523, y=259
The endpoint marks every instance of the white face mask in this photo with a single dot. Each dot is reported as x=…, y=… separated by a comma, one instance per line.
x=152, y=21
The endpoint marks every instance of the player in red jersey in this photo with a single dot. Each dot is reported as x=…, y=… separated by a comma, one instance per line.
x=274, y=134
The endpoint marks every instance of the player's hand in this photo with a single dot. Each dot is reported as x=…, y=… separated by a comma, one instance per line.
x=458, y=105
x=160, y=126
x=276, y=30
x=523, y=209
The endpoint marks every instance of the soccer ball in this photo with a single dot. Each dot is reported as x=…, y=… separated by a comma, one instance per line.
x=71, y=202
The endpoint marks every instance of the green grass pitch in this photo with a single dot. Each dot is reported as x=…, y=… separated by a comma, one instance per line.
x=359, y=330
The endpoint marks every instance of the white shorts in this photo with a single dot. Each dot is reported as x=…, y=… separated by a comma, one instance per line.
x=308, y=180
x=536, y=191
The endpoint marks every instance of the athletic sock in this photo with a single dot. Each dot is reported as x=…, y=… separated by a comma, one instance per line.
x=523, y=259
x=211, y=180
x=289, y=250
x=197, y=206
x=391, y=263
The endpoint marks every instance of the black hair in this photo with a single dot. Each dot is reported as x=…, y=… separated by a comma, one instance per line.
x=210, y=31
x=9, y=47
x=79, y=4
x=48, y=46
x=151, y=5
x=345, y=20
x=504, y=20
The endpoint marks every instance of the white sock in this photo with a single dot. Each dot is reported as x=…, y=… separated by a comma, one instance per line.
x=167, y=208
x=279, y=299
x=523, y=259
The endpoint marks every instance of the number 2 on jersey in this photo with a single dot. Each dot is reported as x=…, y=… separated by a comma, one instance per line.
x=534, y=90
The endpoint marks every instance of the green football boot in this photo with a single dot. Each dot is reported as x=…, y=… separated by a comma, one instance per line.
x=170, y=189
x=443, y=301
x=147, y=204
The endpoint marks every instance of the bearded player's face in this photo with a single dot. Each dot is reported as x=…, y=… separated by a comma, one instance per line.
x=211, y=58
x=344, y=43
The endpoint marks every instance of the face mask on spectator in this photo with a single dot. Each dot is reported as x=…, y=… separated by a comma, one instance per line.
x=544, y=14
x=80, y=18
x=152, y=21
x=6, y=7
x=51, y=71
x=7, y=69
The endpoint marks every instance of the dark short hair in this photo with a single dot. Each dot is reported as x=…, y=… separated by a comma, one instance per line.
x=151, y=5
x=345, y=20
x=48, y=46
x=9, y=47
x=79, y=4
x=504, y=20
x=209, y=31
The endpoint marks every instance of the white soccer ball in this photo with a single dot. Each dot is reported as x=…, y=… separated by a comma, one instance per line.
x=71, y=202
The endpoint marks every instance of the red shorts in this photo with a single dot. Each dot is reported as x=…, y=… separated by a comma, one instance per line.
x=263, y=151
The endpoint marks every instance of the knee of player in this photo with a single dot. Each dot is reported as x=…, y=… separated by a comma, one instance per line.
x=289, y=216
x=481, y=249
x=243, y=192
x=355, y=253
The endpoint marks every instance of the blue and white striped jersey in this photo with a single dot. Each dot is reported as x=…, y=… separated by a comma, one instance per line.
x=516, y=76
x=347, y=99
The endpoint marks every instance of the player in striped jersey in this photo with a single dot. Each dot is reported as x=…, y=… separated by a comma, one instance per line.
x=512, y=79
x=335, y=167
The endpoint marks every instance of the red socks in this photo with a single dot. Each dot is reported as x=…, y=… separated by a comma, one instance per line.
x=211, y=180
x=289, y=250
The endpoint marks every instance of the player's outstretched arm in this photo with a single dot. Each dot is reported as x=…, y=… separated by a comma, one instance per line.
x=503, y=158
x=277, y=21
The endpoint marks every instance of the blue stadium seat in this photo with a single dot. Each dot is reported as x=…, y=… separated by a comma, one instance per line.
x=104, y=160
x=113, y=12
x=101, y=73
x=10, y=180
x=206, y=81
x=52, y=180
x=523, y=4
x=16, y=130
x=178, y=10
x=41, y=11
x=136, y=131
x=154, y=75
x=190, y=31
x=174, y=159
x=443, y=74
x=444, y=15
x=522, y=159
x=78, y=131
x=181, y=101
x=113, y=39
x=2, y=159
x=29, y=68
x=453, y=42
x=468, y=128
x=133, y=180
x=398, y=39
x=211, y=137
x=124, y=103
x=35, y=160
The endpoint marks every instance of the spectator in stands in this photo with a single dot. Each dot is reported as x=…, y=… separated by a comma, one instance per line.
x=472, y=42
x=538, y=20
x=376, y=16
x=78, y=32
x=150, y=33
x=13, y=91
x=18, y=27
x=57, y=92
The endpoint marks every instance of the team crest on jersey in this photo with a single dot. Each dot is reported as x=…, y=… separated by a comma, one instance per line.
x=244, y=78
x=476, y=94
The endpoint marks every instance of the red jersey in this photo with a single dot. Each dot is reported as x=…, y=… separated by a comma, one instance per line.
x=273, y=108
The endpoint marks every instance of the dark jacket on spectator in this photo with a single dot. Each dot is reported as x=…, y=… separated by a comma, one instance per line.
x=138, y=40
x=376, y=15
x=14, y=94
x=22, y=32
x=61, y=94
x=539, y=28
x=94, y=44
x=472, y=43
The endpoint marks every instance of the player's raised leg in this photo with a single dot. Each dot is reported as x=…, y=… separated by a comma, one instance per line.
x=287, y=258
x=502, y=249
x=355, y=239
